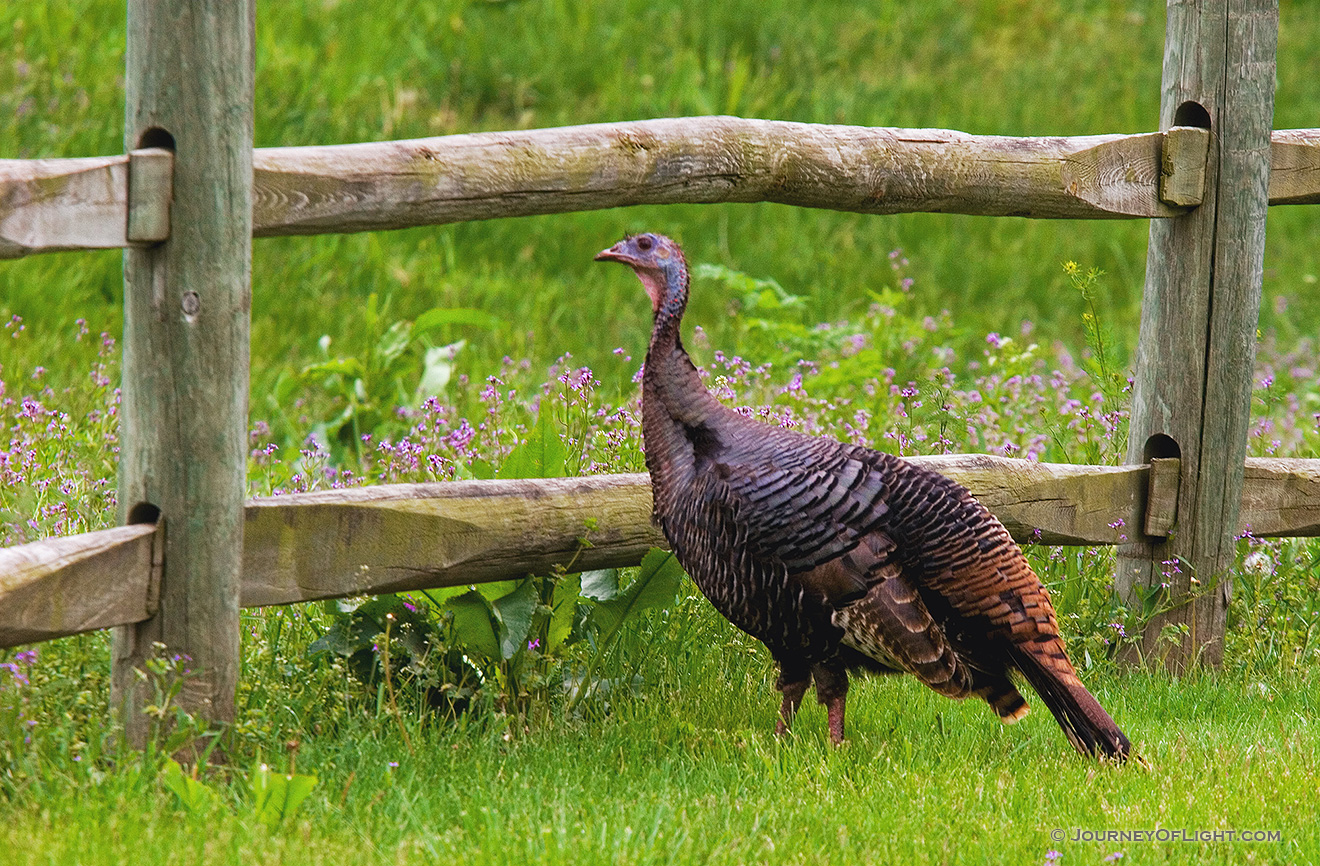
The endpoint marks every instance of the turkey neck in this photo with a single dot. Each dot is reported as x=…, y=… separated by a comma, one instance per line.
x=677, y=410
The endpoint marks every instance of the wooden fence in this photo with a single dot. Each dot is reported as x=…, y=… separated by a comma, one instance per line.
x=191, y=193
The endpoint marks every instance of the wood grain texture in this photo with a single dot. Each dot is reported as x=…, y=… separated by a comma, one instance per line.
x=1182, y=166
x=1162, y=496
x=63, y=586
x=389, y=538
x=47, y=205
x=1280, y=498
x=1197, y=341
x=186, y=325
x=60, y=204
x=358, y=187
x=412, y=536
x=1295, y=166
x=150, y=193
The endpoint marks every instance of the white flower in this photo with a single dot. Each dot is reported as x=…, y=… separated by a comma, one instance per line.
x=1259, y=563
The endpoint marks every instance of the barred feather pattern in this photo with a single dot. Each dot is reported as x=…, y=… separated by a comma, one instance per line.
x=840, y=558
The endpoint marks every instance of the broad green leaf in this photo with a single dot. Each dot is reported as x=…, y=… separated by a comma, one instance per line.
x=540, y=456
x=479, y=468
x=282, y=394
x=344, y=366
x=455, y=316
x=440, y=595
x=601, y=584
x=515, y=615
x=194, y=795
x=497, y=589
x=735, y=280
x=358, y=629
x=393, y=343
x=472, y=625
x=656, y=586
x=276, y=796
x=563, y=610
x=383, y=605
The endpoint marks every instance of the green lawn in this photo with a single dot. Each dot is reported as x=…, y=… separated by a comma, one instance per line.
x=670, y=758
x=685, y=770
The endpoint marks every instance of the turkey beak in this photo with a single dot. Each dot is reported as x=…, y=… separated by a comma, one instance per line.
x=616, y=253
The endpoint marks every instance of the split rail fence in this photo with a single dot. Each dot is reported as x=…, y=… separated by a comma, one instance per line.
x=191, y=193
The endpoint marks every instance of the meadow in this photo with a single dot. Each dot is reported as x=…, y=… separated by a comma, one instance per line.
x=561, y=729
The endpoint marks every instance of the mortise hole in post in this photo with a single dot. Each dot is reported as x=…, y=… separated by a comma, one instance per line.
x=156, y=137
x=1191, y=114
x=1161, y=446
x=143, y=512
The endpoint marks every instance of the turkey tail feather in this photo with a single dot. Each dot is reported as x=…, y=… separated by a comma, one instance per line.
x=1003, y=697
x=1085, y=723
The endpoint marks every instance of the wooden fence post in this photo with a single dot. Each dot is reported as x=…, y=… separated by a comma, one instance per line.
x=1197, y=344
x=186, y=331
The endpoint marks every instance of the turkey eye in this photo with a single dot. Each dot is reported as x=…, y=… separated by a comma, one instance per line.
x=643, y=244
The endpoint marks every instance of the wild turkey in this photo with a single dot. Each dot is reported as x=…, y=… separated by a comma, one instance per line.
x=838, y=557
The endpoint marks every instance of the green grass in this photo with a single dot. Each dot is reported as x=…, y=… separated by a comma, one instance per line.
x=342, y=72
x=681, y=766
x=685, y=770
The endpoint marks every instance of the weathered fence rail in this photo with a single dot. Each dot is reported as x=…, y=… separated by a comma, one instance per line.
x=63, y=204
x=77, y=583
x=398, y=537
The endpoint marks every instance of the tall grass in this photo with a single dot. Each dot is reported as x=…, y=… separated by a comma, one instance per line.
x=437, y=68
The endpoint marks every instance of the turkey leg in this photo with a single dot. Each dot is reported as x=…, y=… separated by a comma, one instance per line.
x=832, y=691
x=793, y=690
